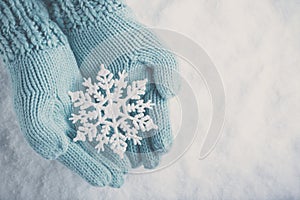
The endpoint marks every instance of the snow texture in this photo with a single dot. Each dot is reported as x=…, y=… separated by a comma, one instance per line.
x=255, y=45
x=114, y=108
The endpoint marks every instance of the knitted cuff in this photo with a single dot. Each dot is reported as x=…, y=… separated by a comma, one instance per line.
x=24, y=27
x=79, y=14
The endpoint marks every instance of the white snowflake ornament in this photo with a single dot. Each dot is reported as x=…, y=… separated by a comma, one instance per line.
x=105, y=106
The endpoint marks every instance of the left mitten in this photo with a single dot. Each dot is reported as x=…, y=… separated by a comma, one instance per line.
x=40, y=64
x=43, y=69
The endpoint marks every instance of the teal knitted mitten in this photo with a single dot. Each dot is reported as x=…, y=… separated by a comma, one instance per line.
x=104, y=31
x=43, y=69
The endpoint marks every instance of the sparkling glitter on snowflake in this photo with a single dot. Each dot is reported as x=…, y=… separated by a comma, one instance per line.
x=105, y=114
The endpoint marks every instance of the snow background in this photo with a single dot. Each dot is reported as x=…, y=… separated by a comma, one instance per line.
x=256, y=46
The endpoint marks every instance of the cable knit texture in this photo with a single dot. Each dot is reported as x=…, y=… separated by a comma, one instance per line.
x=105, y=31
x=43, y=69
x=74, y=15
x=24, y=31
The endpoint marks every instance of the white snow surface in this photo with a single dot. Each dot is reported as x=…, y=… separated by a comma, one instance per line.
x=255, y=45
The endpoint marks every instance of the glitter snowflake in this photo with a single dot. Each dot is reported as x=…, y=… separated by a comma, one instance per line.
x=111, y=111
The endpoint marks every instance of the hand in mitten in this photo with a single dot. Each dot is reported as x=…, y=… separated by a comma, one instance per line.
x=43, y=70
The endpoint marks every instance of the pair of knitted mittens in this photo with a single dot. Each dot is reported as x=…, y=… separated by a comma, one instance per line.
x=49, y=47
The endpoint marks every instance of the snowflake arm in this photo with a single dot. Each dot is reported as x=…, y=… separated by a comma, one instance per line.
x=131, y=133
x=136, y=89
x=105, y=78
x=118, y=144
x=139, y=106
